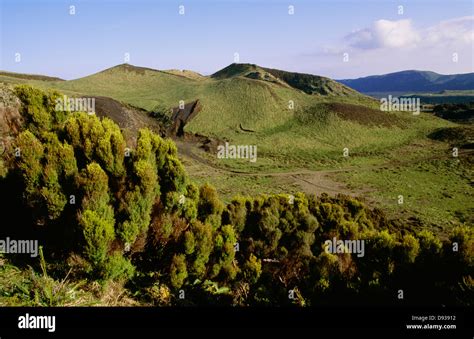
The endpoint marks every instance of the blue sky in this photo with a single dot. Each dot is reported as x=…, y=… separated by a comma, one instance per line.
x=375, y=36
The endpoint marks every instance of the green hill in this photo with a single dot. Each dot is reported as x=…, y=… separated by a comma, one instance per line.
x=139, y=86
x=293, y=118
x=313, y=84
x=238, y=94
x=308, y=83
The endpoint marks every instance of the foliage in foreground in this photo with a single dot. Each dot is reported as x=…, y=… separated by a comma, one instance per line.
x=116, y=212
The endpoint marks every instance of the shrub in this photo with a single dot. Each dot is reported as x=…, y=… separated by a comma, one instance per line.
x=236, y=214
x=209, y=206
x=408, y=249
x=29, y=162
x=97, y=217
x=96, y=140
x=189, y=243
x=116, y=267
x=203, y=248
x=252, y=269
x=178, y=270
x=462, y=239
x=37, y=117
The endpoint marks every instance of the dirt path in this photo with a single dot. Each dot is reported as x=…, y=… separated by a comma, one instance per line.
x=310, y=181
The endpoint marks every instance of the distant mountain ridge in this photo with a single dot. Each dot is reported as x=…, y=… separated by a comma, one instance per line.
x=411, y=81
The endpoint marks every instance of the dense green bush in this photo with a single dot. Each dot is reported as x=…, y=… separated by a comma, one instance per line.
x=178, y=270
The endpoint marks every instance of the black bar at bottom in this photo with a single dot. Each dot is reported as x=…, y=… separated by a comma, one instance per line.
x=88, y=320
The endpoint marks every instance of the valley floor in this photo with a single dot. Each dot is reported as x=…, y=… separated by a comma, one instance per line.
x=436, y=187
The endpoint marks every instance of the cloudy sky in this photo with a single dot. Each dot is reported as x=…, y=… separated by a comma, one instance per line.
x=340, y=38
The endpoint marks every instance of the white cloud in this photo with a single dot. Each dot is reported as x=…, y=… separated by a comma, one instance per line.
x=450, y=33
x=389, y=46
x=401, y=34
x=384, y=34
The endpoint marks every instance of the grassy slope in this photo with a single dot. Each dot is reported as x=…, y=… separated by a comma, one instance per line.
x=231, y=99
x=436, y=187
x=29, y=76
x=143, y=88
x=285, y=141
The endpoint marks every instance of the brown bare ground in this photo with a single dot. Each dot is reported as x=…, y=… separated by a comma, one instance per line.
x=364, y=115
